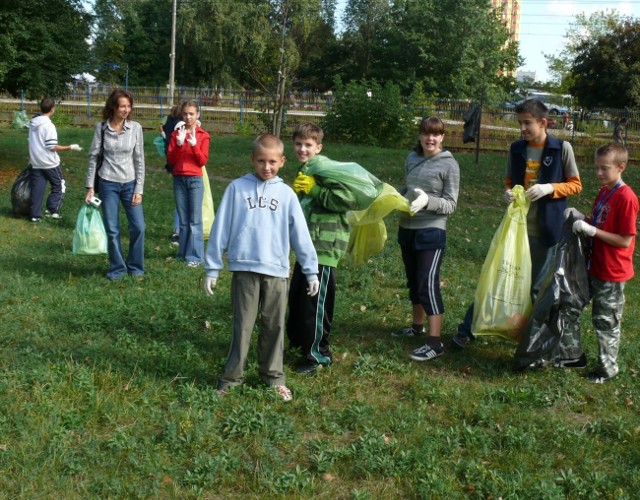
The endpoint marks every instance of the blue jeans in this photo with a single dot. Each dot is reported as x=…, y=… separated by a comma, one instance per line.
x=112, y=194
x=189, y=192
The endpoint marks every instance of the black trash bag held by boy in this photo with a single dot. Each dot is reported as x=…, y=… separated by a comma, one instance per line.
x=564, y=290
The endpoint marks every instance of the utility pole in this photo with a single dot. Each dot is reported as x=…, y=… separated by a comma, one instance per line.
x=172, y=56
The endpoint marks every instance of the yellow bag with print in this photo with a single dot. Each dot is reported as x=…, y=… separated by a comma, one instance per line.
x=208, y=213
x=503, y=296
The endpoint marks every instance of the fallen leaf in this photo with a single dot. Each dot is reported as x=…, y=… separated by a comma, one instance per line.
x=328, y=477
x=363, y=308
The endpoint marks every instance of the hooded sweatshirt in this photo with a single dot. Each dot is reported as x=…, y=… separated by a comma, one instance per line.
x=439, y=177
x=43, y=137
x=257, y=223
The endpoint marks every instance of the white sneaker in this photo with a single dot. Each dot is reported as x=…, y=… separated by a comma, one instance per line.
x=55, y=215
x=284, y=392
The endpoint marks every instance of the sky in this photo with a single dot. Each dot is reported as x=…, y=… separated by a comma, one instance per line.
x=543, y=24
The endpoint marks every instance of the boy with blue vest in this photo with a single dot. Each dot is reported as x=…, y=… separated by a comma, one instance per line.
x=546, y=167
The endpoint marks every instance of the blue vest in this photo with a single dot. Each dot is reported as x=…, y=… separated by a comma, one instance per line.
x=550, y=211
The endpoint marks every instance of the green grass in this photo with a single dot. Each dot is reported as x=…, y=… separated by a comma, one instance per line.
x=107, y=389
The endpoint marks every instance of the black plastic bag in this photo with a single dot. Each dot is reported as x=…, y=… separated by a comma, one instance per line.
x=470, y=128
x=564, y=290
x=21, y=192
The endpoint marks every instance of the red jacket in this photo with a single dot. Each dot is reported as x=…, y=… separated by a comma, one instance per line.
x=188, y=160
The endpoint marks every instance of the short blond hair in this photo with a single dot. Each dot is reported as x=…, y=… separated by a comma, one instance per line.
x=619, y=152
x=267, y=141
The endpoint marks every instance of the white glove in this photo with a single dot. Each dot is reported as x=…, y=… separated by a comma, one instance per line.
x=162, y=133
x=419, y=202
x=581, y=226
x=209, y=285
x=538, y=191
x=182, y=134
x=180, y=124
x=192, y=138
x=577, y=214
x=509, y=196
x=313, y=288
x=75, y=147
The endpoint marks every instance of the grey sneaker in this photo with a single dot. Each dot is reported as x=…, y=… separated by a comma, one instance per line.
x=426, y=352
x=284, y=392
x=408, y=331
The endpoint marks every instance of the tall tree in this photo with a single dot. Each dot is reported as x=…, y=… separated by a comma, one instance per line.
x=606, y=69
x=582, y=29
x=43, y=45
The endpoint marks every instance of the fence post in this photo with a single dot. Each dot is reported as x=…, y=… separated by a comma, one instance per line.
x=241, y=108
x=88, y=100
x=21, y=101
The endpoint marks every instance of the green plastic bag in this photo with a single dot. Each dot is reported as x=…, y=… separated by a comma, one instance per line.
x=503, y=296
x=89, y=236
x=368, y=230
x=20, y=120
x=158, y=142
x=362, y=186
x=208, y=213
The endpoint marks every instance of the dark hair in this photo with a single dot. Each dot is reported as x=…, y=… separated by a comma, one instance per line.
x=534, y=107
x=176, y=111
x=112, y=103
x=46, y=105
x=622, y=121
x=430, y=125
x=190, y=104
x=620, y=153
x=308, y=130
x=267, y=141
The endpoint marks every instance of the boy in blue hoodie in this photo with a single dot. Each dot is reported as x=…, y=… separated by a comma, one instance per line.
x=258, y=220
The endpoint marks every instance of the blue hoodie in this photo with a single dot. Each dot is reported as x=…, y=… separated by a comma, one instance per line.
x=257, y=223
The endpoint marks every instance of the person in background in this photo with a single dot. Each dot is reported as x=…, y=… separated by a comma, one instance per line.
x=188, y=153
x=432, y=184
x=45, y=162
x=166, y=129
x=619, y=130
x=259, y=219
x=121, y=182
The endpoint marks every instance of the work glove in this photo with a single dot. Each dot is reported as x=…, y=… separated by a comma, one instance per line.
x=182, y=134
x=75, y=147
x=192, y=139
x=509, y=196
x=313, y=288
x=180, y=124
x=538, y=191
x=419, y=202
x=577, y=214
x=304, y=183
x=209, y=285
x=581, y=226
x=164, y=136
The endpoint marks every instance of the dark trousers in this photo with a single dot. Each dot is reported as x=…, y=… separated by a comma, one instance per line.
x=310, y=318
x=39, y=179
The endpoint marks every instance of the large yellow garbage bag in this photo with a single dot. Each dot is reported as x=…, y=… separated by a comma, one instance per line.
x=503, y=296
x=368, y=230
x=208, y=213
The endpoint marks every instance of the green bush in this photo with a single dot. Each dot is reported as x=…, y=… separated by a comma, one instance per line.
x=367, y=113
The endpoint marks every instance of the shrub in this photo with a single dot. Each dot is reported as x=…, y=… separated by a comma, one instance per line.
x=367, y=113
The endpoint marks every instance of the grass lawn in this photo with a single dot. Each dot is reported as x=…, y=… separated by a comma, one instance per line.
x=107, y=389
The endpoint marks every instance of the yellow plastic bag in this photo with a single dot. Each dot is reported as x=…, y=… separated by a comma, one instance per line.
x=368, y=230
x=208, y=213
x=503, y=296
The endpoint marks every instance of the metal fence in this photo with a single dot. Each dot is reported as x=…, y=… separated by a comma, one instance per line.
x=229, y=111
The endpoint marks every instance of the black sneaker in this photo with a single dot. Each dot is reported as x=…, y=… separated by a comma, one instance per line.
x=409, y=331
x=461, y=340
x=174, y=239
x=308, y=367
x=598, y=377
x=36, y=219
x=426, y=352
x=53, y=215
x=576, y=363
